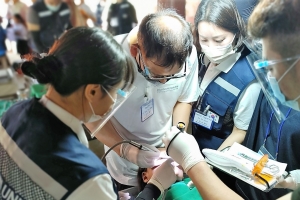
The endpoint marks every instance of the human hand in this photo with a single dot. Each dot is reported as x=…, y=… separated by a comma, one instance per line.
x=165, y=175
x=144, y=159
x=183, y=148
x=124, y=196
x=290, y=182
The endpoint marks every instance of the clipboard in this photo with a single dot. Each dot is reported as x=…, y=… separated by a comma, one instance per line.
x=238, y=161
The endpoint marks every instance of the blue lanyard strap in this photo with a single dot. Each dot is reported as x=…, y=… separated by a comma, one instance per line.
x=268, y=128
x=279, y=132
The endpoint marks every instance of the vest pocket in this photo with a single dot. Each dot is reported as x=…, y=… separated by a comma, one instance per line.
x=217, y=106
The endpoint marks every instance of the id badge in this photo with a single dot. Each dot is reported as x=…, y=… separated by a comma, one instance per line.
x=147, y=110
x=262, y=151
x=202, y=120
x=114, y=22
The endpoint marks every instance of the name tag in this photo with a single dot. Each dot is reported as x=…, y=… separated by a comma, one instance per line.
x=147, y=110
x=114, y=22
x=203, y=120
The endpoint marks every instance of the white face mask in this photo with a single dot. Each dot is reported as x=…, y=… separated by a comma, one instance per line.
x=217, y=54
x=277, y=92
x=53, y=8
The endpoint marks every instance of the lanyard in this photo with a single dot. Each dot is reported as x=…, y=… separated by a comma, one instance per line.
x=279, y=130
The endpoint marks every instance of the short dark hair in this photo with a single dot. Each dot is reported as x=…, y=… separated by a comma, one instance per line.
x=279, y=20
x=79, y=57
x=162, y=42
x=141, y=183
x=224, y=14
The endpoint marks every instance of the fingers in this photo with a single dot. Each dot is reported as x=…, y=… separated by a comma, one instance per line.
x=170, y=134
x=124, y=196
x=159, y=161
x=178, y=173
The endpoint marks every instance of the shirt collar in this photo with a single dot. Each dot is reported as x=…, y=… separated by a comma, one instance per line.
x=227, y=64
x=66, y=118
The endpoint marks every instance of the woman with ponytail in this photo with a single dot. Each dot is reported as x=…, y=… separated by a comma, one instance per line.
x=43, y=148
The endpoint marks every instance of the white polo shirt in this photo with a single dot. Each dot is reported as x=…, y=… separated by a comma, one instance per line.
x=127, y=120
x=247, y=100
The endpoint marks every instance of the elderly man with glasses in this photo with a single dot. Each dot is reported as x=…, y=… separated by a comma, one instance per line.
x=166, y=85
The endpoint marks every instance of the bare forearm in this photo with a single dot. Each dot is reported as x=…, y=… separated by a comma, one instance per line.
x=208, y=183
x=237, y=135
x=181, y=113
x=108, y=136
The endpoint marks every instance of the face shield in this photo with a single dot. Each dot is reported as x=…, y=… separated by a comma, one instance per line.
x=122, y=96
x=268, y=83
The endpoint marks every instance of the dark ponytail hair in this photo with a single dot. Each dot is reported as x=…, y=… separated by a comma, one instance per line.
x=81, y=56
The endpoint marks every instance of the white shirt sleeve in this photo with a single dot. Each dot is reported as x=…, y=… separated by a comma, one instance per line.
x=191, y=90
x=245, y=106
x=98, y=187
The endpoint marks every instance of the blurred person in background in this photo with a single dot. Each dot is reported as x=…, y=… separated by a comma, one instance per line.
x=99, y=13
x=48, y=19
x=21, y=34
x=3, y=58
x=121, y=17
x=16, y=7
x=86, y=12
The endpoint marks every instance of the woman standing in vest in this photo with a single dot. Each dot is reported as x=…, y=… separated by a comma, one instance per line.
x=228, y=89
x=21, y=34
x=43, y=147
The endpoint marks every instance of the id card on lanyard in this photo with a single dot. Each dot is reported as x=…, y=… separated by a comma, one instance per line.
x=147, y=109
x=201, y=118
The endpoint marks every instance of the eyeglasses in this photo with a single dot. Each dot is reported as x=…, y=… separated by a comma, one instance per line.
x=265, y=63
x=151, y=76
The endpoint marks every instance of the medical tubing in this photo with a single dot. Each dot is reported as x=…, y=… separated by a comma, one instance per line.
x=279, y=132
x=133, y=143
x=111, y=148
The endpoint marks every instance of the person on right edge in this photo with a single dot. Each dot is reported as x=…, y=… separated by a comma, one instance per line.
x=274, y=128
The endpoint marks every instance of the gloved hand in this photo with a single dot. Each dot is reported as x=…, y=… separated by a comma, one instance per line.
x=124, y=196
x=144, y=159
x=165, y=175
x=290, y=182
x=183, y=148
